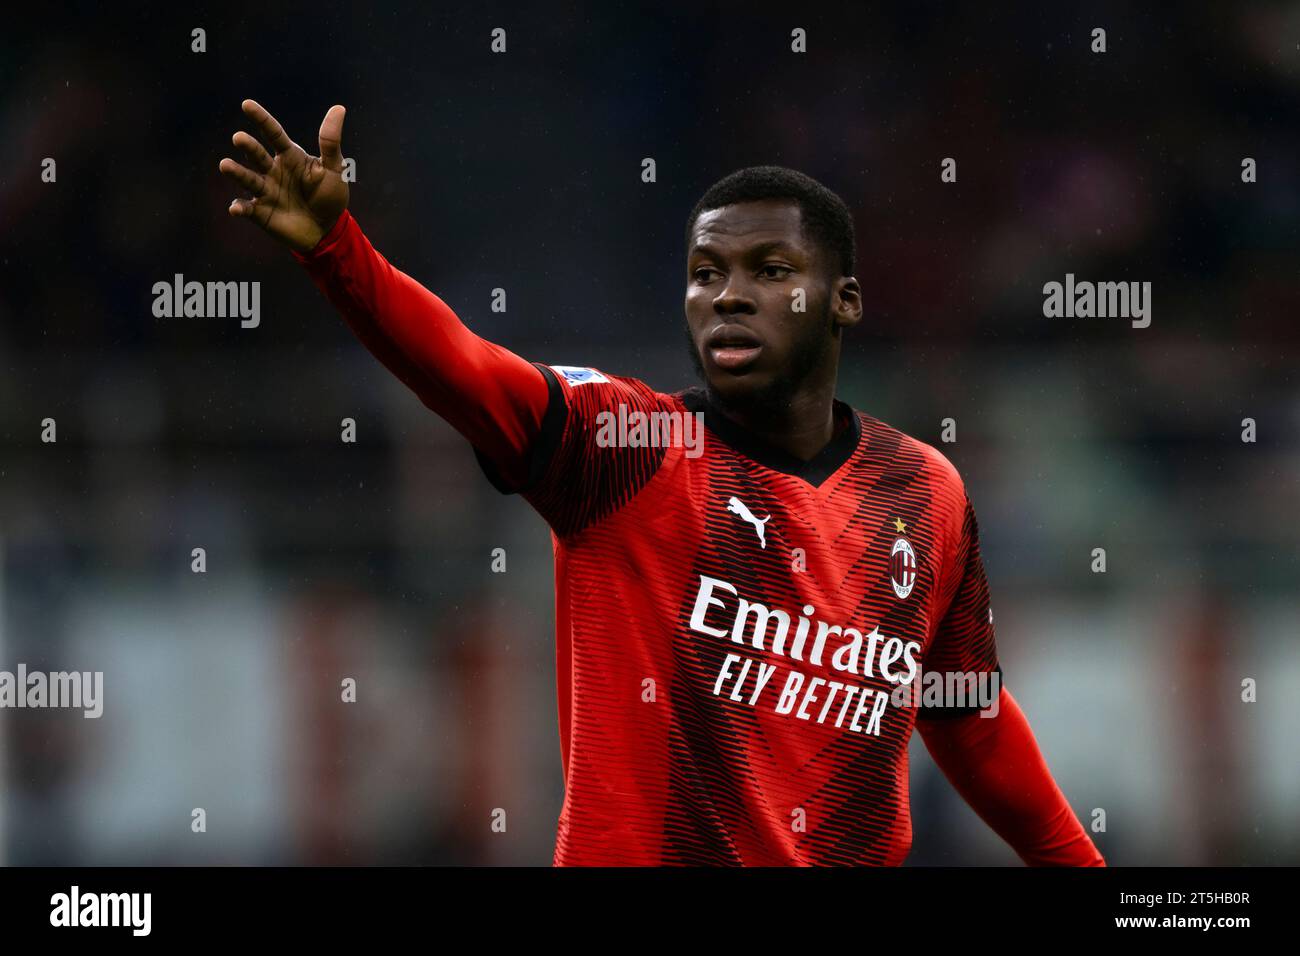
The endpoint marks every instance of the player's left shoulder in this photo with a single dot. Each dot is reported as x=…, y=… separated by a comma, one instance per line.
x=932, y=465
x=935, y=481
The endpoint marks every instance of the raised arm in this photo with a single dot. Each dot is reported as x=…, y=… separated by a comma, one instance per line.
x=490, y=395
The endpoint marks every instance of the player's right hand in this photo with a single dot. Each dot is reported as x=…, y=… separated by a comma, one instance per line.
x=296, y=197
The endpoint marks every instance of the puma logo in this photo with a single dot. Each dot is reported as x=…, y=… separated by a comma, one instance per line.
x=737, y=507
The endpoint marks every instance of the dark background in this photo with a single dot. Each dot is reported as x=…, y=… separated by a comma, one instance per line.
x=523, y=171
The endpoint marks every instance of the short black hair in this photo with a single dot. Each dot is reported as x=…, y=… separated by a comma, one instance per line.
x=825, y=217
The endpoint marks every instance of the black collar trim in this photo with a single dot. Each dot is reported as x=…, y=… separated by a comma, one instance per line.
x=814, y=471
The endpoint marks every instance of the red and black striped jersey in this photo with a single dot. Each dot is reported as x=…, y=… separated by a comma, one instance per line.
x=734, y=625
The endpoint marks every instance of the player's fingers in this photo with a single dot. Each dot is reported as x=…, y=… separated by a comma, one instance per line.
x=254, y=150
x=253, y=182
x=273, y=132
x=242, y=207
x=331, y=139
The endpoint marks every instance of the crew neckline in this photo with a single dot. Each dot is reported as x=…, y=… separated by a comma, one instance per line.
x=814, y=471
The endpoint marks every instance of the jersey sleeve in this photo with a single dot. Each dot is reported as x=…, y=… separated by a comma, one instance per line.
x=996, y=765
x=596, y=449
x=493, y=397
x=963, y=640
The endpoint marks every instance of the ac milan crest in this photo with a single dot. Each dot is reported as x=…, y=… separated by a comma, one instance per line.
x=902, y=567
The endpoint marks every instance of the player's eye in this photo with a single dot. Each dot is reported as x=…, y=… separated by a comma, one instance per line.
x=772, y=266
x=699, y=277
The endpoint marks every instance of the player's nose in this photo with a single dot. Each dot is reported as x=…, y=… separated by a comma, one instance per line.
x=734, y=299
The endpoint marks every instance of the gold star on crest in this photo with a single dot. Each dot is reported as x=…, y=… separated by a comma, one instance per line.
x=899, y=526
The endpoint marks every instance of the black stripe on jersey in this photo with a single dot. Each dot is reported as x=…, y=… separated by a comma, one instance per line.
x=544, y=445
x=948, y=713
x=814, y=471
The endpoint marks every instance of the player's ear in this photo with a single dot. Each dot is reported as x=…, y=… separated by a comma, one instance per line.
x=846, y=302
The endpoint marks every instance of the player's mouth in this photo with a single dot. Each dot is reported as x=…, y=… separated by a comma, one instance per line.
x=733, y=347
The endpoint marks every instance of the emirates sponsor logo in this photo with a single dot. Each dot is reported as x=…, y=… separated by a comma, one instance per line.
x=814, y=642
x=781, y=688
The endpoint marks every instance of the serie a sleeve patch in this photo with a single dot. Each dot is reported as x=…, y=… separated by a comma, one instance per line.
x=574, y=375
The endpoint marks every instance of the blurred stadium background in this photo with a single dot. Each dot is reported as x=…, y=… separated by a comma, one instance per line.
x=328, y=560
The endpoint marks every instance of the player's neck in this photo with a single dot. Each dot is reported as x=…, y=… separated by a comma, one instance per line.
x=801, y=427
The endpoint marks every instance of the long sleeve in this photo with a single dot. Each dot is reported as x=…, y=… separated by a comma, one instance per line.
x=493, y=397
x=995, y=764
